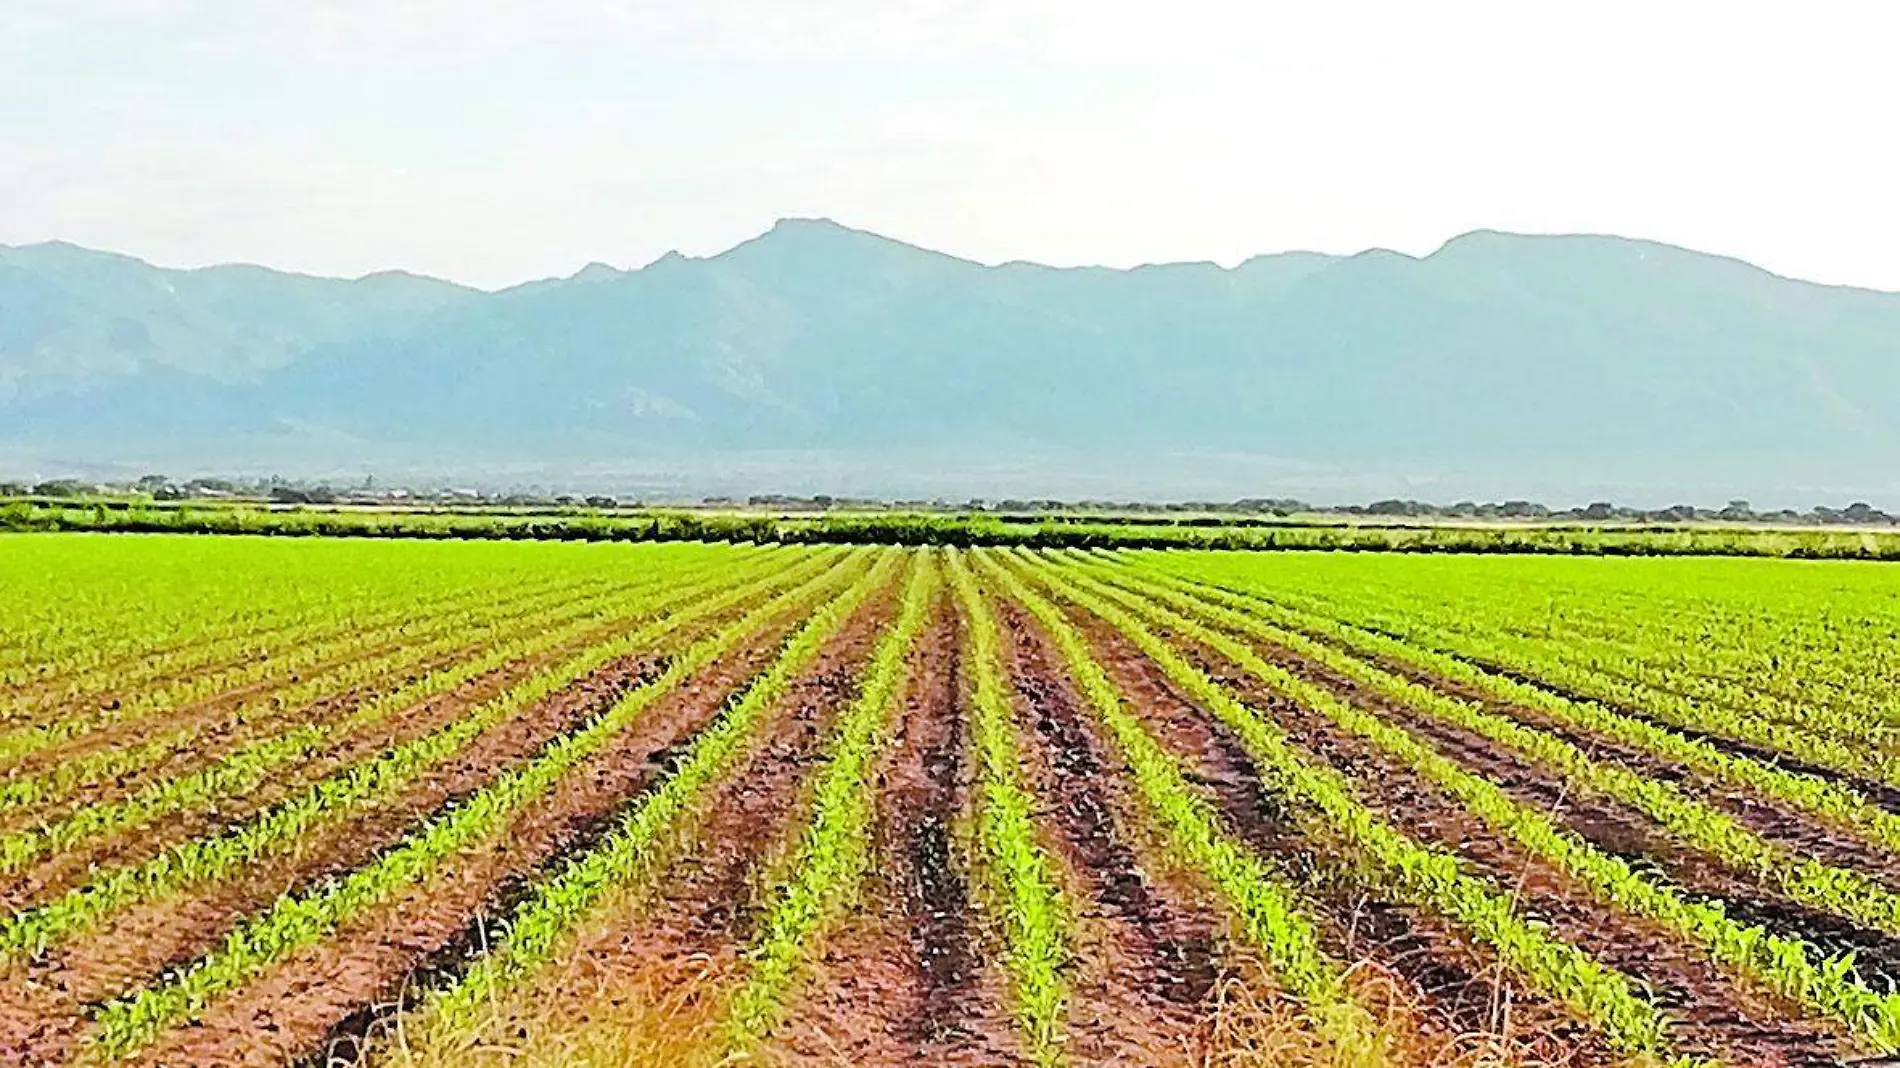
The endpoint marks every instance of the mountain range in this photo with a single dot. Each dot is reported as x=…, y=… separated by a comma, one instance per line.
x=819, y=358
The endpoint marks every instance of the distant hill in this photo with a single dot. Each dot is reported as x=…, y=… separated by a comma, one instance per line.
x=821, y=358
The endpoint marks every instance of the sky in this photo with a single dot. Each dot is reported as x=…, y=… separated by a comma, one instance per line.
x=494, y=141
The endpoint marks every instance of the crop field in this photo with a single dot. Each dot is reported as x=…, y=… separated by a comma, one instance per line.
x=416, y=803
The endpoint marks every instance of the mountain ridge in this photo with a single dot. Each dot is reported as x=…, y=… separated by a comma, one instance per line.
x=796, y=220
x=1499, y=363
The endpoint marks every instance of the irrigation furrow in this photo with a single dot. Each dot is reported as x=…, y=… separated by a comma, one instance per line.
x=328, y=995
x=1435, y=879
x=835, y=846
x=901, y=980
x=1812, y=883
x=229, y=655
x=1789, y=966
x=1018, y=884
x=127, y=1025
x=307, y=672
x=639, y=840
x=1835, y=804
x=335, y=797
x=103, y=775
x=1145, y=967
x=1714, y=724
x=221, y=785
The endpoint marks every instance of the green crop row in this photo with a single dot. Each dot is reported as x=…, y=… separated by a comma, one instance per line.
x=169, y=679
x=1786, y=965
x=1022, y=892
x=305, y=918
x=305, y=672
x=1840, y=891
x=1261, y=896
x=563, y=901
x=1431, y=878
x=1839, y=627
x=93, y=605
x=339, y=795
x=835, y=849
x=1855, y=736
x=1840, y=805
x=245, y=769
x=107, y=764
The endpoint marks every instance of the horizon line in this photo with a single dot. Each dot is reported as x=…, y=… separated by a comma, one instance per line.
x=781, y=222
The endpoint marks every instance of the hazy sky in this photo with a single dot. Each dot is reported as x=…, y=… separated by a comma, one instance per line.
x=493, y=141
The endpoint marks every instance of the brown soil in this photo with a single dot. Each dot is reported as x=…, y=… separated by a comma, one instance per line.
x=294, y=1007
x=1804, y=834
x=203, y=710
x=74, y=865
x=901, y=982
x=251, y=722
x=1147, y=956
x=1461, y=990
x=136, y=946
x=1619, y=829
x=266, y=636
x=41, y=691
x=1886, y=795
x=1716, y=1014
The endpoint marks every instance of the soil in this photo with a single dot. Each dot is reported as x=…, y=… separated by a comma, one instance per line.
x=1806, y=835
x=902, y=980
x=252, y=722
x=1459, y=988
x=1147, y=955
x=297, y=1007
x=1887, y=795
x=78, y=863
x=910, y=973
x=1716, y=1014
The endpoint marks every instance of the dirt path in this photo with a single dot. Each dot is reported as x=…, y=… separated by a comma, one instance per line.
x=902, y=982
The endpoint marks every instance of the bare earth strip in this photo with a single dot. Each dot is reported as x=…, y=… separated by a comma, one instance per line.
x=1464, y=999
x=1147, y=953
x=1716, y=1015
x=903, y=982
x=647, y=978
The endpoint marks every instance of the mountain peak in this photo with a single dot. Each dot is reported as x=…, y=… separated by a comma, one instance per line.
x=596, y=272
x=824, y=245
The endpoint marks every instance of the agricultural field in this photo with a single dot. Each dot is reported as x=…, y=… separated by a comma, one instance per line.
x=427, y=803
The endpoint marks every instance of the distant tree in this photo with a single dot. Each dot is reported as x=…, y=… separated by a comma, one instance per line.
x=1738, y=510
x=12, y=489
x=1599, y=510
x=600, y=501
x=59, y=487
